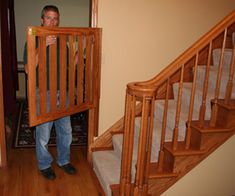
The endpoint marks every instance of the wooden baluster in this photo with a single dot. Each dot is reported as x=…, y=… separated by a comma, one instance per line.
x=178, y=110
x=127, y=150
x=191, y=105
x=63, y=71
x=142, y=156
x=229, y=86
x=149, y=145
x=131, y=145
x=205, y=87
x=164, y=121
x=214, y=110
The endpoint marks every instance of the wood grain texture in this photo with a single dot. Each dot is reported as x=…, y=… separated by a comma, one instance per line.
x=22, y=177
x=3, y=154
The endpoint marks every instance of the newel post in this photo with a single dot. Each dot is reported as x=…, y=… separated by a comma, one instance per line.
x=128, y=141
x=136, y=183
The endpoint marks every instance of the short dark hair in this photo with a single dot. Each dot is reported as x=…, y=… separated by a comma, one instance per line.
x=49, y=8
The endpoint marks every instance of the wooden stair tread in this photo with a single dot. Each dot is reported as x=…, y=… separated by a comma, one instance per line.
x=115, y=189
x=230, y=105
x=116, y=132
x=181, y=151
x=206, y=128
x=163, y=175
x=154, y=173
x=101, y=148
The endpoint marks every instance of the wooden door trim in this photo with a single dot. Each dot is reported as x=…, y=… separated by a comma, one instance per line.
x=94, y=13
x=3, y=154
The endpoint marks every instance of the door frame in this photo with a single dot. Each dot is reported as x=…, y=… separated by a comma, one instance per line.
x=3, y=148
x=94, y=13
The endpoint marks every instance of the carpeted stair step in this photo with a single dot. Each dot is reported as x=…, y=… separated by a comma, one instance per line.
x=106, y=166
x=186, y=96
x=227, y=57
x=117, y=145
x=156, y=137
x=201, y=71
x=117, y=140
x=116, y=154
x=171, y=115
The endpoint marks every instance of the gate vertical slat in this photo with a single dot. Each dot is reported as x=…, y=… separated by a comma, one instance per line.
x=42, y=75
x=63, y=72
x=71, y=69
x=80, y=69
x=53, y=76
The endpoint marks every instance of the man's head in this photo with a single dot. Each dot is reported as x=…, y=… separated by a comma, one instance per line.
x=50, y=16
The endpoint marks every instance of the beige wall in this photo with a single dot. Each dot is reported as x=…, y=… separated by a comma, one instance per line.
x=140, y=37
x=213, y=177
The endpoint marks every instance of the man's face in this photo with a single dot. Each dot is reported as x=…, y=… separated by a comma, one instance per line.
x=50, y=19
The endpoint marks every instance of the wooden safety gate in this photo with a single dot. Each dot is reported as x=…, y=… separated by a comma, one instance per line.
x=64, y=78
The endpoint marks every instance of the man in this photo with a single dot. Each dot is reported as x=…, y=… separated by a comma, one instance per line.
x=50, y=18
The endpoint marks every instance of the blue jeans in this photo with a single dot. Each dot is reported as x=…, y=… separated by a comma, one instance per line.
x=63, y=141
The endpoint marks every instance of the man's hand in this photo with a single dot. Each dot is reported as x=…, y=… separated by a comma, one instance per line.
x=50, y=40
x=26, y=68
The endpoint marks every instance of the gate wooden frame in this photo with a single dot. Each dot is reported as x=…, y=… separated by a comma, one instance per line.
x=79, y=83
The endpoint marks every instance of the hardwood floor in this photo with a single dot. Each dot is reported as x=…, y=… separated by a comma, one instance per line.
x=22, y=178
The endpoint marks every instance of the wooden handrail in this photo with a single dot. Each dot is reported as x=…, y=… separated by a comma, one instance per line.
x=185, y=56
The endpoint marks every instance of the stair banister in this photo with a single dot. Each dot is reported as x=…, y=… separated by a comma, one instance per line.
x=143, y=174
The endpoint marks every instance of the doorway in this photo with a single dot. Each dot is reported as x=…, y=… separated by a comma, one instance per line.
x=25, y=15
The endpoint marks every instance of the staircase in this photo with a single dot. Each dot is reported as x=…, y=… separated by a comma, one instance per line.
x=173, y=121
